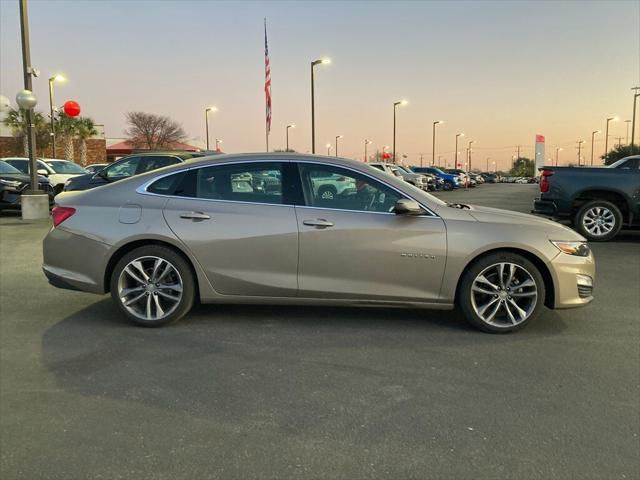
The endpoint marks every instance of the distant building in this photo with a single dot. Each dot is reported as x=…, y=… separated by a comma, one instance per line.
x=123, y=147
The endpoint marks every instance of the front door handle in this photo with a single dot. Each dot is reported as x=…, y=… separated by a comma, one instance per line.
x=195, y=215
x=318, y=222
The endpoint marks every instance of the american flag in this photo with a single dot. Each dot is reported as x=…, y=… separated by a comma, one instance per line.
x=267, y=79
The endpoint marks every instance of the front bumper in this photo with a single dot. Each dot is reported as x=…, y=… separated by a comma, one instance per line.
x=570, y=275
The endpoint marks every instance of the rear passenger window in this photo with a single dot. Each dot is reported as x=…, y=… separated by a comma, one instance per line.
x=167, y=185
x=249, y=182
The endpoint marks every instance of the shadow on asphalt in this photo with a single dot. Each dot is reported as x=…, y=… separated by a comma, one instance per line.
x=227, y=358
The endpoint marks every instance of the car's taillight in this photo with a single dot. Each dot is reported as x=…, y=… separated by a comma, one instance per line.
x=544, y=181
x=60, y=214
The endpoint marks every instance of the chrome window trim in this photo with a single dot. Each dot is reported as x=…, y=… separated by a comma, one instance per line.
x=142, y=189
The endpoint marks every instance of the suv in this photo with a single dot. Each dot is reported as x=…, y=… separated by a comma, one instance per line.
x=450, y=180
x=128, y=166
x=415, y=179
x=56, y=170
x=13, y=182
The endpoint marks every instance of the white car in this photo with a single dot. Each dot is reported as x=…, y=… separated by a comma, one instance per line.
x=56, y=170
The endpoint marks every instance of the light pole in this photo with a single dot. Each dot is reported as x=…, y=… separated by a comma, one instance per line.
x=293, y=125
x=469, y=155
x=633, y=121
x=366, y=142
x=494, y=167
x=606, y=135
x=218, y=142
x=488, y=158
x=395, y=104
x=593, y=134
x=328, y=149
x=55, y=78
x=457, y=135
x=337, y=138
x=433, y=143
x=206, y=121
x=324, y=61
x=558, y=149
x=627, y=140
x=580, y=142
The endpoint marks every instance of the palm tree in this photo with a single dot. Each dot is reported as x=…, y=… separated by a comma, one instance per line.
x=85, y=129
x=18, y=123
x=67, y=129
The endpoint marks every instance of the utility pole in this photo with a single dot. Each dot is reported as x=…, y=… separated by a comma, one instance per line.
x=579, y=147
x=518, y=148
x=421, y=155
x=619, y=141
x=633, y=121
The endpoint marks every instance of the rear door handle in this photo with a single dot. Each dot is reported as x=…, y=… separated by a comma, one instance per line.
x=318, y=222
x=195, y=215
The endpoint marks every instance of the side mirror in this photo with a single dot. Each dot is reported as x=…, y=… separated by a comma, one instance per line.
x=43, y=172
x=408, y=207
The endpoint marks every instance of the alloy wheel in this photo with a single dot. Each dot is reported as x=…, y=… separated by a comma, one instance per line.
x=150, y=288
x=598, y=221
x=504, y=295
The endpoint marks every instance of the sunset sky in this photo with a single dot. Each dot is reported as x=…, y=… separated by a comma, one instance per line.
x=500, y=72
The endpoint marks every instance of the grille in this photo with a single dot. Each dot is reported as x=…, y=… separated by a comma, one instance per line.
x=584, y=291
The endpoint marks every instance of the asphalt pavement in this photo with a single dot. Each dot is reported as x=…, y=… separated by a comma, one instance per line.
x=244, y=392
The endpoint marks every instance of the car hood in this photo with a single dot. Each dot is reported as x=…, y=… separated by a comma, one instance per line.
x=554, y=230
x=21, y=177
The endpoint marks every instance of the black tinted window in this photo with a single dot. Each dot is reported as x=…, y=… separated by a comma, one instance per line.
x=632, y=164
x=122, y=168
x=169, y=185
x=21, y=165
x=155, y=162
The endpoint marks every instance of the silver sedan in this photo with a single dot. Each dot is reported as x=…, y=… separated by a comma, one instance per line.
x=256, y=228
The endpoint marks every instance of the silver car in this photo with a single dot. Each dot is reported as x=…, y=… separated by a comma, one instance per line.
x=163, y=240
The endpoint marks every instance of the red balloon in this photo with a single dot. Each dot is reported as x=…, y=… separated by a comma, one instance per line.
x=71, y=108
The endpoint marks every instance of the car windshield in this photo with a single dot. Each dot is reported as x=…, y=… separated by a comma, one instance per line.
x=404, y=169
x=618, y=163
x=6, y=168
x=62, y=166
x=436, y=170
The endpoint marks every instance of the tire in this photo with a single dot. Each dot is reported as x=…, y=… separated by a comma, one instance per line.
x=587, y=218
x=327, y=192
x=153, y=304
x=448, y=186
x=478, y=306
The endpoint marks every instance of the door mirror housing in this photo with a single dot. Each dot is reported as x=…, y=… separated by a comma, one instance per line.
x=43, y=172
x=408, y=207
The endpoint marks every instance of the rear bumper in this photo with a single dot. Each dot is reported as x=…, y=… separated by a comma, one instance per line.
x=545, y=207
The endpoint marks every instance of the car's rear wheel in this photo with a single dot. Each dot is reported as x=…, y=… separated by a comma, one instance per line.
x=153, y=285
x=501, y=292
x=447, y=186
x=598, y=221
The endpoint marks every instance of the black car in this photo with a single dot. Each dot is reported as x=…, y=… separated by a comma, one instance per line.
x=13, y=182
x=128, y=166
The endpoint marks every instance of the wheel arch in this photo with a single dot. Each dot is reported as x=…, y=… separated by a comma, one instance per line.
x=549, y=285
x=610, y=195
x=130, y=246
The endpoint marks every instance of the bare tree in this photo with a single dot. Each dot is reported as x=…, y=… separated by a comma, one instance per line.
x=153, y=132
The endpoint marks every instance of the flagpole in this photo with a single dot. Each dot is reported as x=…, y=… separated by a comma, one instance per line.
x=267, y=93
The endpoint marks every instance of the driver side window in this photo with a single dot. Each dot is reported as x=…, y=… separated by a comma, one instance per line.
x=124, y=168
x=327, y=186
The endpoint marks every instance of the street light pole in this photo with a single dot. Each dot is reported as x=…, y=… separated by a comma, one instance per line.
x=366, y=142
x=293, y=125
x=337, y=138
x=488, y=158
x=633, y=121
x=580, y=142
x=457, y=135
x=206, y=122
x=469, y=154
x=593, y=134
x=627, y=140
x=313, y=102
x=433, y=146
x=606, y=136
x=395, y=104
x=55, y=78
x=328, y=149
x=557, y=151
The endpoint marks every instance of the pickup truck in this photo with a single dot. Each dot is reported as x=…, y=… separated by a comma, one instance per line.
x=415, y=179
x=599, y=201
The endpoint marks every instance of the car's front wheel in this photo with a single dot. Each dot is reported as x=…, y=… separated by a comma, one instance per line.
x=153, y=285
x=447, y=186
x=598, y=221
x=501, y=292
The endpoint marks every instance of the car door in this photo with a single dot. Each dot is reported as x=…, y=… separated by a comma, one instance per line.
x=241, y=229
x=354, y=246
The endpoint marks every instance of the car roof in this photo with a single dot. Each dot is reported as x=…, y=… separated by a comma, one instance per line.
x=174, y=153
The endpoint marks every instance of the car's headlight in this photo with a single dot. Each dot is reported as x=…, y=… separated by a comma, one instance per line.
x=579, y=249
x=10, y=183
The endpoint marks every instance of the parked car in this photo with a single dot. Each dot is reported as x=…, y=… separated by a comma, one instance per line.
x=165, y=238
x=95, y=167
x=433, y=182
x=477, y=177
x=13, y=183
x=128, y=166
x=56, y=170
x=415, y=179
x=464, y=176
x=490, y=177
x=599, y=201
x=449, y=180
